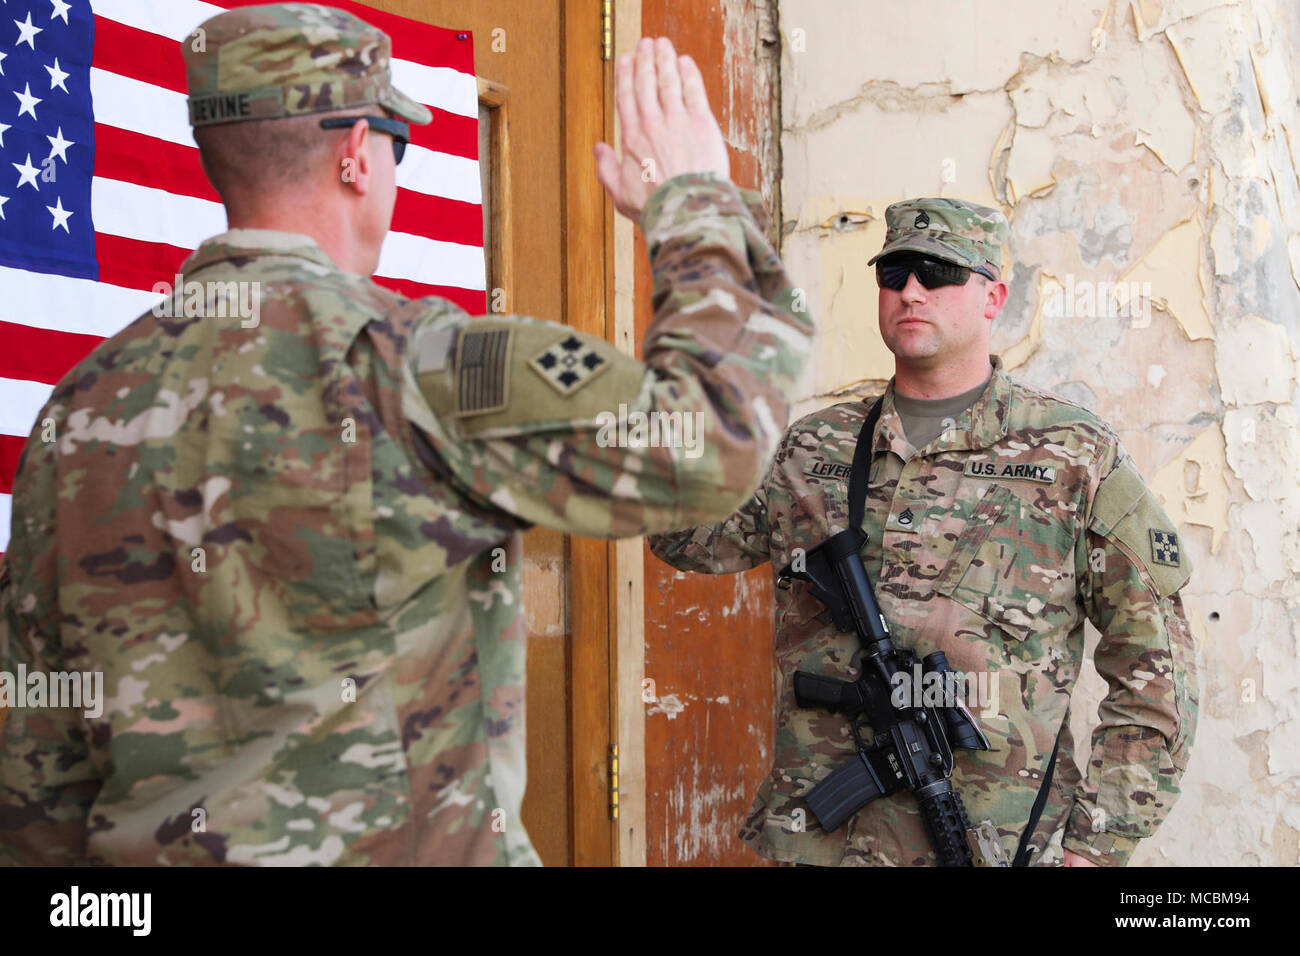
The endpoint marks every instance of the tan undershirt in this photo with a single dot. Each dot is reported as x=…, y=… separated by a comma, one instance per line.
x=923, y=418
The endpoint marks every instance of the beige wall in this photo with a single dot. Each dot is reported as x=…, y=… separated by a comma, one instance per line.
x=1150, y=144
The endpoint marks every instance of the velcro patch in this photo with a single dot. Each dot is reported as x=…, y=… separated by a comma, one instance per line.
x=1164, y=548
x=1127, y=512
x=433, y=349
x=482, y=376
x=818, y=468
x=1025, y=471
x=568, y=365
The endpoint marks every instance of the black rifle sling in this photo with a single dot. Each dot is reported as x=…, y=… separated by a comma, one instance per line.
x=859, y=478
x=860, y=470
x=1040, y=801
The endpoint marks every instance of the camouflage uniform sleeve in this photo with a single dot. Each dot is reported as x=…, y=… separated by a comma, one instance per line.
x=1130, y=578
x=737, y=543
x=559, y=428
x=47, y=781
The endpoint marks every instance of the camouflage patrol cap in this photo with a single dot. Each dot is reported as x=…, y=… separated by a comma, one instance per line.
x=288, y=59
x=950, y=229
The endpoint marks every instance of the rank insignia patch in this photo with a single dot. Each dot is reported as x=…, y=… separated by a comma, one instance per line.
x=905, y=520
x=481, y=371
x=568, y=365
x=1164, y=548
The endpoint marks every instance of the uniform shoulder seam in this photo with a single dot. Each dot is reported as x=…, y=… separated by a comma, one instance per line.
x=833, y=415
x=1086, y=415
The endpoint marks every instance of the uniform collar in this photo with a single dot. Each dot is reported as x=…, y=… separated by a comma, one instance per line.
x=981, y=425
x=245, y=243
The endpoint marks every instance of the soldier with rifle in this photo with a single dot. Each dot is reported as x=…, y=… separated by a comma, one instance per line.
x=973, y=522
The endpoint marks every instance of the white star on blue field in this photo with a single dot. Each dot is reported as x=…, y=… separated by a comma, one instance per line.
x=47, y=154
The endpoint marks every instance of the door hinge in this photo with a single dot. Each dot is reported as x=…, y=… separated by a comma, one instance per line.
x=613, y=781
x=607, y=29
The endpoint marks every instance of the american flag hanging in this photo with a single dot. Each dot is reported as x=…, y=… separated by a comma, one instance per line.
x=102, y=194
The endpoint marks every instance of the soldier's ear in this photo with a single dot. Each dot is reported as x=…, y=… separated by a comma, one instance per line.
x=995, y=296
x=354, y=159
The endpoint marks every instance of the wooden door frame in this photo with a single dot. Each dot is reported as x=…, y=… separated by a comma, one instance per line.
x=605, y=580
x=587, y=291
x=500, y=236
x=628, y=560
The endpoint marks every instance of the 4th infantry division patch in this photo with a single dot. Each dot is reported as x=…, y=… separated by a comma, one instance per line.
x=568, y=365
x=1164, y=548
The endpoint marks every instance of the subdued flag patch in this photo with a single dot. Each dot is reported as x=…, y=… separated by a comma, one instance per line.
x=482, y=378
x=568, y=365
x=1164, y=548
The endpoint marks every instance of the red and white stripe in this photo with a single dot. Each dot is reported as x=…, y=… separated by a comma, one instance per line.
x=152, y=205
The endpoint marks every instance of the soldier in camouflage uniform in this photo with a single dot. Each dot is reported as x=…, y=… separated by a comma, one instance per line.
x=293, y=550
x=992, y=535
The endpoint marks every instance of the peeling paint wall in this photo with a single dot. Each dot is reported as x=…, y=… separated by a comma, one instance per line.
x=1146, y=155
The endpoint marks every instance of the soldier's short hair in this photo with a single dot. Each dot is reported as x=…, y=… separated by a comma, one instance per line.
x=243, y=160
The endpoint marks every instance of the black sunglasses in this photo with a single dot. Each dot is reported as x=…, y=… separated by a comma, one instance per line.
x=892, y=271
x=399, y=130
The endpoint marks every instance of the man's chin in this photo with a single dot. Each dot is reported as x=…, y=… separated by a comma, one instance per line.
x=912, y=349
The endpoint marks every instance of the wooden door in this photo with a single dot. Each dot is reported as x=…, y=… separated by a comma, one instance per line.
x=542, y=94
x=709, y=642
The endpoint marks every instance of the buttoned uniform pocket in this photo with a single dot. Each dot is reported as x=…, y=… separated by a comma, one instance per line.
x=1013, y=565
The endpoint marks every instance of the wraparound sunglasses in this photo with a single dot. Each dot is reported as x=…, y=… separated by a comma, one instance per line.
x=892, y=271
x=399, y=130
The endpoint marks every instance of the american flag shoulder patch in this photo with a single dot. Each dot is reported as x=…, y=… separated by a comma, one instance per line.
x=483, y=371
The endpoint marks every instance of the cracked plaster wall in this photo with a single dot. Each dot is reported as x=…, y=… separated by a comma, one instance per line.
x=1153, y=146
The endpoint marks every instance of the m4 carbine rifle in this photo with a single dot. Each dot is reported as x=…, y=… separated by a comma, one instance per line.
x=911, y=745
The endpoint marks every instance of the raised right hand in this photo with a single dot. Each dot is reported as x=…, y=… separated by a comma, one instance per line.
x=667, y=126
